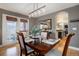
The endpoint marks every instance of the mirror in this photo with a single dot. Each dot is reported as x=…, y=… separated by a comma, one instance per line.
x=46, y=24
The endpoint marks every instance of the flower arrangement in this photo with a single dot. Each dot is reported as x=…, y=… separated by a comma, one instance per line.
x=35, y=31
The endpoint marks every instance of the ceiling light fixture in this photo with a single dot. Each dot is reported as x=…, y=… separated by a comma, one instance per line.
x=37, y=10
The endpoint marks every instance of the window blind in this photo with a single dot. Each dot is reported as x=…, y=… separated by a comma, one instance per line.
x=23, y=20
x=9, y=18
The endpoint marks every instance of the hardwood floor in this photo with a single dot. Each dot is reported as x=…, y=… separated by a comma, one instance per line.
x=13, y=50
x=10, y=50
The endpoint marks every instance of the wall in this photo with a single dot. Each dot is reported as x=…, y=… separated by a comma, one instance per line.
x=32, y=22
x=2, y=11
x=49, y=16
x=73, y=14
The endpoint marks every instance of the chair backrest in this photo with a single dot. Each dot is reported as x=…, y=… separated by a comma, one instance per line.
x=51, y=35
x=21, y=40
x=67, y=44
x=24, y=33
x=44, y=35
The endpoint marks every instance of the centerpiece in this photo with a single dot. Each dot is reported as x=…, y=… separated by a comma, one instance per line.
x=36, y=34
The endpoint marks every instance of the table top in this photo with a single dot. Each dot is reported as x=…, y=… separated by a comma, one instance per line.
x=42, y=48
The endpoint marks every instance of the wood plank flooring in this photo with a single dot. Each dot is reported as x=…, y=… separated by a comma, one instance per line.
x=10, y=50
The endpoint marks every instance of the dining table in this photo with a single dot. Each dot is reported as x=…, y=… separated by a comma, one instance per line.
x=42, y=47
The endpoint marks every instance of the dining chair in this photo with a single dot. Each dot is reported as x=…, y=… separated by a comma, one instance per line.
x=51, y=35
x=24, y=33
x=23, y=47
x=56, y=52
x=44, y=35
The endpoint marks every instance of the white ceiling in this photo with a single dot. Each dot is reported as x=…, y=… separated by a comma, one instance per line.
x=25, y=8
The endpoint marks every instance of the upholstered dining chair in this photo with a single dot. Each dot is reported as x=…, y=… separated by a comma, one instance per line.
x=44, y=35
x=51, y=35
x=23, y=47
x=24, y=33
x=55, y=52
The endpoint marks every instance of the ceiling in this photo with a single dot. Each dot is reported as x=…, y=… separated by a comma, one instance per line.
x=26, y=8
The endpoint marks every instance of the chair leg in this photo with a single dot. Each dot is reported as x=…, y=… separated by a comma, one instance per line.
x=21, y=53
x=34, y=52
x=25, y=54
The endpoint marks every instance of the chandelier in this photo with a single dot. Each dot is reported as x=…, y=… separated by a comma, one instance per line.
x=37, y=10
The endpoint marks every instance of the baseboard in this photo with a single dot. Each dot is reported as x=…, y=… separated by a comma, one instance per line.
x=74, y=48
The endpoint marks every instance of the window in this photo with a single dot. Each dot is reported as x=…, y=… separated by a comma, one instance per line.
x=23, y=25
x=11, y=28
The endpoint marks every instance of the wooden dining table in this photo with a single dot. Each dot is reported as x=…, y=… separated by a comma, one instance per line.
x=41, y=48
